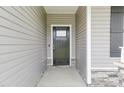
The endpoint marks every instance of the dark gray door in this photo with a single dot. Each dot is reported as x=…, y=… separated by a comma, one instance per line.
x=61, y=46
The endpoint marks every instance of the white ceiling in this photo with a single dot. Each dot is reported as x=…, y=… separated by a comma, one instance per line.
x=61, y=9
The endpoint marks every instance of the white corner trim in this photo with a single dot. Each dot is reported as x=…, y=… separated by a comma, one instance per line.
x=61, y=25
x=51, y=44
x=88, y=21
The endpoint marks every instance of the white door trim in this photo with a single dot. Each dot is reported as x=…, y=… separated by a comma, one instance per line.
x=55, y=25
x=88, y=9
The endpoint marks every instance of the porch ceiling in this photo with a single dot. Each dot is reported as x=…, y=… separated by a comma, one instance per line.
x=61, y=9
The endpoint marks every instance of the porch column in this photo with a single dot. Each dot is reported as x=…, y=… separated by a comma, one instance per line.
x=88, y=13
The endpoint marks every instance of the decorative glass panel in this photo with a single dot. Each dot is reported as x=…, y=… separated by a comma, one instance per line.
x=61, y=33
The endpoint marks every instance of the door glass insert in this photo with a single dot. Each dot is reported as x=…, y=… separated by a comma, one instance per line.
x=61, y=33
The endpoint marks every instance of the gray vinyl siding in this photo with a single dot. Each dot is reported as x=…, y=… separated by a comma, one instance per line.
x=81, y=44
x=22, y=45
x=60, y=19
x=100, y=35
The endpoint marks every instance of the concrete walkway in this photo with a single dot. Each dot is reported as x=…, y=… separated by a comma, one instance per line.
x=61, y=76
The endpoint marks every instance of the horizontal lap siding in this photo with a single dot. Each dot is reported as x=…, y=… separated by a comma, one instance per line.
x=81, y=41
x=100, y=27
x=22, y=45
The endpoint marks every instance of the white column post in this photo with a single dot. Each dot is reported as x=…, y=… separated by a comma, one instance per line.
x=88, y=13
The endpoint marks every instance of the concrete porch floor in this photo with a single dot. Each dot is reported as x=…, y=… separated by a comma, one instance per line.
x=61, y=76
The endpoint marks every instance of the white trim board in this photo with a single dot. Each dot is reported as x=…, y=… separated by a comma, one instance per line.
x=61, y=25
x=104, y=68
x=88, y=20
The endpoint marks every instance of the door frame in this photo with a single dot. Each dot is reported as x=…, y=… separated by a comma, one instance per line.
x=70, y=41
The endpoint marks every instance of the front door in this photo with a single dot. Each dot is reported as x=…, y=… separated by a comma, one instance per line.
x=61, y=46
